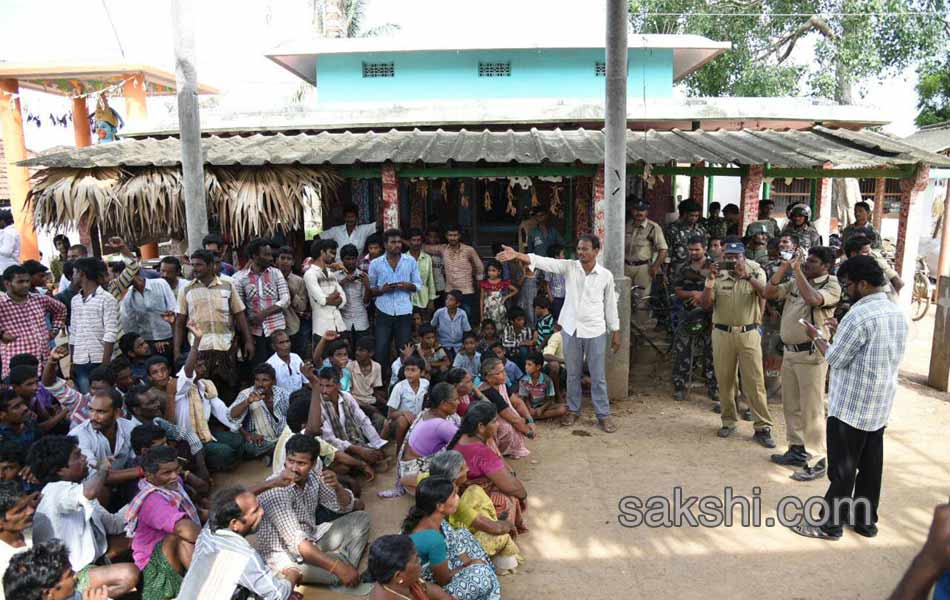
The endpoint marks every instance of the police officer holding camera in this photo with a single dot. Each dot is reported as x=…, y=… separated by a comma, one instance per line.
x=810, y=297
x=733, y=289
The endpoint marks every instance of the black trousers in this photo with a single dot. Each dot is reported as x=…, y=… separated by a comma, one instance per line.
x=390, y=329
x=855, y=465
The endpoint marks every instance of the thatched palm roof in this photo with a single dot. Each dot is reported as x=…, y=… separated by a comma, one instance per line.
x=146, y=203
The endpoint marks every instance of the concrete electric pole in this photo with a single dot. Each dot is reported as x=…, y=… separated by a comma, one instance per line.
x=615, y=178
x=192, y=161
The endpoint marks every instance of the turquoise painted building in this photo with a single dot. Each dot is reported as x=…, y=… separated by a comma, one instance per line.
x=374, y=70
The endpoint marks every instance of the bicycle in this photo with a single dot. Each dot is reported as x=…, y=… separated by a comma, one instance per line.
x=920, y=299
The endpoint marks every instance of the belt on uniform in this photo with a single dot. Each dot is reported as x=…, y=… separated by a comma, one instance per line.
x=736, y=328
x=803, y=347
x=637, y=263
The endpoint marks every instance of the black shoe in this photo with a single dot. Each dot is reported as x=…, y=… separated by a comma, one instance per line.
x=747, y=415
x=679, y=395
x=764, y=437
x=725, y=432
x=811, y=473
x=868, y=532
x=814, y=532
x=716, y=408
x=714, y=395
x=793, y=457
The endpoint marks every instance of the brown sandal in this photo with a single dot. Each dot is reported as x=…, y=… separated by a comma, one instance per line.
x=607, y=425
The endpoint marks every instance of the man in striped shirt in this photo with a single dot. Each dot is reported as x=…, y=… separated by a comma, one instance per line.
x=864, y=358
x=94, y=322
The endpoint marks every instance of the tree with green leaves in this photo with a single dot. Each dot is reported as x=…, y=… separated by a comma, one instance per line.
x=933, y=91
x=853, y=40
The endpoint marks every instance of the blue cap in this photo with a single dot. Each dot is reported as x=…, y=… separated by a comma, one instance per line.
x=734, y=248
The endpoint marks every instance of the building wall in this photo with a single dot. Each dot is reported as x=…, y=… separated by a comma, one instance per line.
x=454, y=75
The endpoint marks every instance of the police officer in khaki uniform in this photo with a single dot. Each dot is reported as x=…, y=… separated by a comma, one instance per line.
x=644, y=250
x=733, y=289
x=811, y=295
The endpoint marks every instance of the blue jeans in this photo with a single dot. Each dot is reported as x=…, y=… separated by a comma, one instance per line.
x=81, y=376
x=595, y=349
x=391, y=328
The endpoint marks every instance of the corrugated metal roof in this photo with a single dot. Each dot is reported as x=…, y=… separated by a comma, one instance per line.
x=935, y=138
x=799, y=148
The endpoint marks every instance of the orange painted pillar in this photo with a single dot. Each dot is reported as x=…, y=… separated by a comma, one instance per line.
x=133, y=91
x=81, y=123
x=14, y=145
x=136, y=109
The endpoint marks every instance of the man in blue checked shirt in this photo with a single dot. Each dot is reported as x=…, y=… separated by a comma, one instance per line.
x=864, y=358
x=393, y=279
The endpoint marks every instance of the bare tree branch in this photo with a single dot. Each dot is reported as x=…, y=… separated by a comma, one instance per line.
x=814, y=23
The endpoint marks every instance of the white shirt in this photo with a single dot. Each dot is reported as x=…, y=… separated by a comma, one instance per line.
x=9, y=247
x=213, y=406
x=83, y=525
x=7, y=552
x=320, y=284
x=288, y=374
x=96, y=447
x=590, y=301
x=403, y=398
x=142, y=311
x=342, y=237
x=94, y=320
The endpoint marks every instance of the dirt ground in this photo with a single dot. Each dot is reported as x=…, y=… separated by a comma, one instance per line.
x=577, y=548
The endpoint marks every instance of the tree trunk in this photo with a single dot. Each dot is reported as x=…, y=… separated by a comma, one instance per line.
x=844, y=83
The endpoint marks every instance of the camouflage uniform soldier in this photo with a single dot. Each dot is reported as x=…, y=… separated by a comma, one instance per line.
x=765, y=216
x=757, y=248
x=799, y=217
x=688, y=287
x=679, y=232
x=715, y=224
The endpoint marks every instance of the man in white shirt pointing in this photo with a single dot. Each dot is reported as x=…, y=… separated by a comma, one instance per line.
x=588, y=315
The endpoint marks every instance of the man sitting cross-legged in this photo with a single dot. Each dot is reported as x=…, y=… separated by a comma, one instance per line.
x=43, y=573
x=345, y=425
x=289, y=536
x=69, y=511
x=235, y=514
x=163, y=524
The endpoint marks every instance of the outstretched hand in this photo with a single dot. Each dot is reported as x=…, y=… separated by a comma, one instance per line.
x=507, y=253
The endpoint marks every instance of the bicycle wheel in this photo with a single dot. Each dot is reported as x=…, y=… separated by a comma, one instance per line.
x=920, y=303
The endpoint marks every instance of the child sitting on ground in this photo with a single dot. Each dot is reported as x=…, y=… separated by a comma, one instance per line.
x=544, y=321
x=468, y=357
x=554, y=356
x=334, y=352
x=366, y=376
x=434, y=355
x=405, y=400
x=488, y=337
x=286, y=364
x=518, y=337
x=158, y=375
x=418, y=320
x=537, y=390
x=451, y=321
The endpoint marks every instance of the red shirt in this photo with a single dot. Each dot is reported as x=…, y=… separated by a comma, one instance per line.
x=27, y=321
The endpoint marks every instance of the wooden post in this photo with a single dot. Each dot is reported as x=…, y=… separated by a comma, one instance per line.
x=750, y=187
x=908, y=230
x=189, y=123
x=939, y=375
x=81, y=129
x=943, y=264
x=390, y=197
x=14, y=146
x=880, y=185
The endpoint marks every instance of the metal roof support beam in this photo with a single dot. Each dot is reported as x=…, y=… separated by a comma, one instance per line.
x=900, y=172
